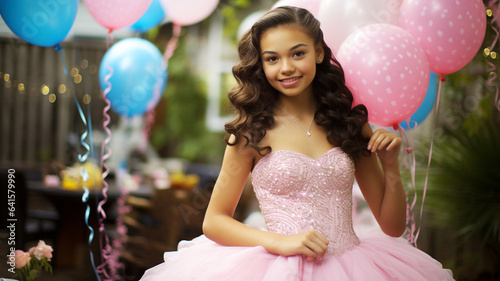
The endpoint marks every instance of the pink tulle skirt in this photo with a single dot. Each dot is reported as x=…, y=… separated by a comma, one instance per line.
x=376, y=258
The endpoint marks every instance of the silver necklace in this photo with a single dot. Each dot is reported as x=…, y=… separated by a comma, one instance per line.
x=308, y=131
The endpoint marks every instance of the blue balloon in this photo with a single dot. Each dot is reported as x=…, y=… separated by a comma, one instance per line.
x=151, y=18
x=44, y=23
x=425, y=108
x=133, y=75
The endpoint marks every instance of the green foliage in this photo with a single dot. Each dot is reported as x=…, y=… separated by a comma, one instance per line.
x=465, y=177
x=463, y=191
x=31, y=271
x=180, y=129
x=232, y=13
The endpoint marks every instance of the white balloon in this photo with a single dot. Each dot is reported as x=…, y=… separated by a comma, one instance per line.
x=247, y=23
x=188, y=12
x=340, y=18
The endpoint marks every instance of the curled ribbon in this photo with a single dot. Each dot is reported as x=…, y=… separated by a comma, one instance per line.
x=107, y=252
x=410, y=217
x=169, y=51
x=430, y=156
x=492, y=68
x=82, y=158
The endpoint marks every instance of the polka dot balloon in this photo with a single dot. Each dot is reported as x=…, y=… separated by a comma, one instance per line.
x=387, y=71
x=450, y=31
x=116, y=14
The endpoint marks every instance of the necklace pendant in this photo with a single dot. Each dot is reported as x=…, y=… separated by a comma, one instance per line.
x=308, y=134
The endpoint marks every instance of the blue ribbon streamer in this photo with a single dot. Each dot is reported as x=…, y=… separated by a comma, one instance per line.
x=82, y=158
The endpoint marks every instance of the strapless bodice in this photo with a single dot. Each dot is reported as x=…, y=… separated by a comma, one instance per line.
x=297, y=193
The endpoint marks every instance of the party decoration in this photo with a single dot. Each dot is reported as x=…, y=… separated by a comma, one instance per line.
x=42, y=23
x=151, y=18
x=116, y=14
x=188, y=12
x=387, y=71
x=310, y=5
x=139, y=76
x=425, y=108
x=340, y=18
x=450, y=32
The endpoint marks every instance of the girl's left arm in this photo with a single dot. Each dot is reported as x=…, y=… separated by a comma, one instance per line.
x=381, y=185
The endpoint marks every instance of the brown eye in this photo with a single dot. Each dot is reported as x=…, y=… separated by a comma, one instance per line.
x=271, y=59
x=298, y=54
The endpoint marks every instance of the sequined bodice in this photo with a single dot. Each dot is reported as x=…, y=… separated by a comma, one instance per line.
x=297, y=193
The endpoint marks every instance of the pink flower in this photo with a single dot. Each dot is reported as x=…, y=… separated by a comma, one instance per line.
x=41, y=250
x=22, y=258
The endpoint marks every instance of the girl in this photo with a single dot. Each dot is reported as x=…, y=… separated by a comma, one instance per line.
x=299, y=136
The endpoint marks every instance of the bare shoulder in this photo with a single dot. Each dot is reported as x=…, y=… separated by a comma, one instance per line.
x=240, y=154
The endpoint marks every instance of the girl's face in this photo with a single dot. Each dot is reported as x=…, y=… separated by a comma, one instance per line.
x=289, y=59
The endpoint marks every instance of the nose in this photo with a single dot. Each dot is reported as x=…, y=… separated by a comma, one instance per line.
x=287, y=66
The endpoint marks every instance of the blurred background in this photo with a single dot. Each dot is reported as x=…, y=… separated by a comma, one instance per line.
x=112, y=124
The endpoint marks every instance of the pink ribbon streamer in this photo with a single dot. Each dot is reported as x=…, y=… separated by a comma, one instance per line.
x=172, y=43
x=413, y=231
x=410, y=217
x=150, y=115
x=108, y=254
x=492, y=69
x=430, y=155
x=105, y=151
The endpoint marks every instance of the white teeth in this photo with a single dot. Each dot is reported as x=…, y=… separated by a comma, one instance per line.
x=289, y=80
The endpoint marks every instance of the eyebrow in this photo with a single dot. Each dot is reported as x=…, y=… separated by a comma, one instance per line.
x=292, y=48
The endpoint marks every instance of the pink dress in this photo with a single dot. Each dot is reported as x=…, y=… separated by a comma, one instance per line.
x=297, y=193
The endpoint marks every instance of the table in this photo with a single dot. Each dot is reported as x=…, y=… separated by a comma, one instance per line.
x=71, y=246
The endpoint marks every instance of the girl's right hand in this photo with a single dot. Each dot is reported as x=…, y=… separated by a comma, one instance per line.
x=311, y=244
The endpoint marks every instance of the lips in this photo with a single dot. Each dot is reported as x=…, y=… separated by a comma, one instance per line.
x=289, y=82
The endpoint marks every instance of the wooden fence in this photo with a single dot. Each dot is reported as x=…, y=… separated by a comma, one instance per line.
x=39, y=120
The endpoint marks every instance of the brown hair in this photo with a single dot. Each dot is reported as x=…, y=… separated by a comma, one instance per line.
x=254, y=99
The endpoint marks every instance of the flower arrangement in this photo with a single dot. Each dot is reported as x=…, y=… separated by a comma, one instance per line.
x=29, y=263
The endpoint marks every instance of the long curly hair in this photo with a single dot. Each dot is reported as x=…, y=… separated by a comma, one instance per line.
x=255, y=100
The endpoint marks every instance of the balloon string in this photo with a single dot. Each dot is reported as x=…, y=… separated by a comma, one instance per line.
x=150, y=115
x=105, y=151
x=490, y=82
x=492, y=69
x=172, y=43
x=430, y=155
x=150, y=118
x=410, y=217
x=493, y=20
x=106, y=249
x=111, y=253
x=109, y=39
x=82, y=159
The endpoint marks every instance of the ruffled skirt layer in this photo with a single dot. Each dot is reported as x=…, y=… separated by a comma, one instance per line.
x=376, y=258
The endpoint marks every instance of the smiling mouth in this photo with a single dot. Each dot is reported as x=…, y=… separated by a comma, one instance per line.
x=288, y=80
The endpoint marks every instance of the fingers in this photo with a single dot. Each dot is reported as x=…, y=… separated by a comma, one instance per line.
x=311, y=244
x=315, y=246
x=383, y=139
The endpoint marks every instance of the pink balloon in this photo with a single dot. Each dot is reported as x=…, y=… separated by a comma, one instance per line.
x=188, y=12
x=387, y=71
x=451, y=32
x=310, y=5
x=116, y=14
x=339, y=18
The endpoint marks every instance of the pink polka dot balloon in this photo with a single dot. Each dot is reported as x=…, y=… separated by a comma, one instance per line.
x=387, y=71
x=116, y=14
x=450, y=31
